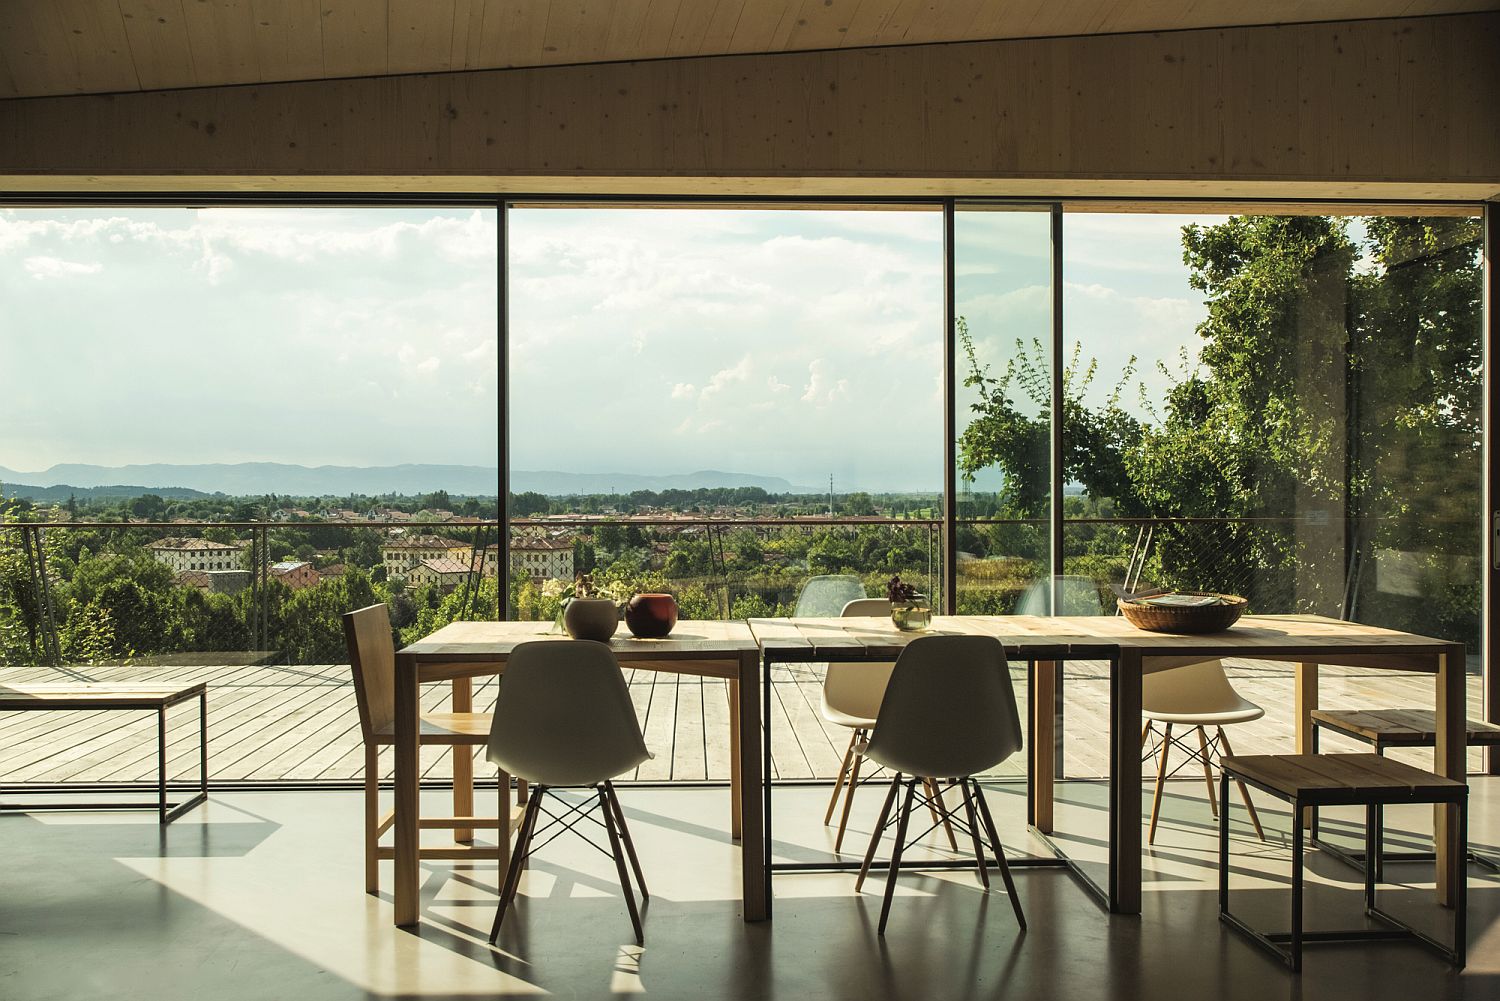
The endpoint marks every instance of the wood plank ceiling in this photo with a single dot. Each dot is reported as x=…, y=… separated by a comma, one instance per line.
x=105, y=46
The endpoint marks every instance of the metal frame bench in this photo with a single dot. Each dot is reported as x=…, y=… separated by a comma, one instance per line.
x=1383, y=729
x=1313, y=780
x=140, y=697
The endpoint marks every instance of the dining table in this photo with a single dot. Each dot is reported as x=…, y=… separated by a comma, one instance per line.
x=743, y=653
x=462, y=651
x=1042, y=642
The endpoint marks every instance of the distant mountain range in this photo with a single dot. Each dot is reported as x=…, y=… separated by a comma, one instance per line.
x=258, y=478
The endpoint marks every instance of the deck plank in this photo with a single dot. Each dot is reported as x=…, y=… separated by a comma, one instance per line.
x=270, y=722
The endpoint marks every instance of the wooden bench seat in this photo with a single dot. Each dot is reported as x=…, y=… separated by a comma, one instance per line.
x=1369, y=780
x=1397, y=727
x=1383, y=729
x=112, y=696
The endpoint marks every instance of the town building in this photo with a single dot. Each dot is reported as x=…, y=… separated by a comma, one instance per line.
x=295, y=574
x=402, y=555
x=196, y=554
x=445, y=574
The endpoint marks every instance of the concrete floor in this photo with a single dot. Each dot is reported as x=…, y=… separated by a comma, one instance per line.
x=258, y=895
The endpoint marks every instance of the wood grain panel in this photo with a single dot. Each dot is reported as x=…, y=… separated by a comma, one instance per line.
x=288, y=38
x=355, y=37
x=56, y=50
x=158, y=37
x=421, y=36
x=1282, y=112
x=221, y=38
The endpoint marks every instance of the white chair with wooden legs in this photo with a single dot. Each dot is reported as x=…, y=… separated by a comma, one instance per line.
x=948, y=710
x=851, y=699
x=372, y=659
x=1196, y=697
x=564, y=718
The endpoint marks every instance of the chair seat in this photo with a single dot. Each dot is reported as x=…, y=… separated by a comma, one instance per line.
x=445, y=728
x=1341, y=778
x=1404, y=727
x=840, y=718
x=1243, y=713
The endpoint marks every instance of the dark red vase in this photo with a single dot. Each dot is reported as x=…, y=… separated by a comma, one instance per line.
x=651, y=616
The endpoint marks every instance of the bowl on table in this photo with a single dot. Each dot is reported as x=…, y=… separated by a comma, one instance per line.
x=1178, y=612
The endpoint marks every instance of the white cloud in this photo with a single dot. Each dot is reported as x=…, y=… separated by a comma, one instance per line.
x=724, y=378
x=821, y=390
x=43, y=268
x=775, y=385
x=684, y=391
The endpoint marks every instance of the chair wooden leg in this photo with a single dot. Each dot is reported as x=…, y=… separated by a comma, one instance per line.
x=890, y=882
x=517, y=860
x=999, y=850
x=635, y=863
x=1228, y=751
x=984, y=869
x=838, y=783
x=838, y=840
x=372, y=818
x=1161, y=773
x=1208, y=772
x=885, y=814
x=522, y=792
x=1146, y=733
x=939, y=809
x=619, y=857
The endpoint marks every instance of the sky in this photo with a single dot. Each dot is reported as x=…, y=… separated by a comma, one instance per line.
x=799, y=344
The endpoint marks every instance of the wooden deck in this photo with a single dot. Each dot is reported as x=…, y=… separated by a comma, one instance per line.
x=299, y=723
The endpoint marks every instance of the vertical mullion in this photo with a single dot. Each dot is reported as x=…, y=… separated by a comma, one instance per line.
x=1055, y=521
x=950, y=427
x=502, y=394
x=1490, y=615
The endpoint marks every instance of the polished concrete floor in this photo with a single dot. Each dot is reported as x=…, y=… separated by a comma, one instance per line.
x=258, y=895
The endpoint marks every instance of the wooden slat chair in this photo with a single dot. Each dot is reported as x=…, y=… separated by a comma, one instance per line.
x=372, y=658
x=1383, y=729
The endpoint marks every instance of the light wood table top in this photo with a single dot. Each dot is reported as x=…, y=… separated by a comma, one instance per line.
x=458, y=642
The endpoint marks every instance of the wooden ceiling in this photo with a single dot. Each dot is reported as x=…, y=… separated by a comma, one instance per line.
x=52, y=47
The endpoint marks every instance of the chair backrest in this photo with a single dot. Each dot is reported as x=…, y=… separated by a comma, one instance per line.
x=826, y=595
x=563, y=716
x=949, y=709
x=372, y=660
x=857, y=689
x=1197, y=688
x=1080, y=596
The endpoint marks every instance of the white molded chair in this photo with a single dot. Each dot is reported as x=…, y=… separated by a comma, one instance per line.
x=851, y=698
x=825, y=595
x=949, y=710
x=1197, y=696
x=1080, y=596
x=564, y=718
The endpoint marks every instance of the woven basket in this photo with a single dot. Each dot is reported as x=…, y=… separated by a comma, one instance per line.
x=1167, y=619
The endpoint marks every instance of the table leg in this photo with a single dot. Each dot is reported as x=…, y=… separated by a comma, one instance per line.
x=1306, y=700
x=408, y=792
x=756, y=880
x=463, y=763
x=1452, y=735
x=1125, y=784
x=736, y=808
x=1043, y=747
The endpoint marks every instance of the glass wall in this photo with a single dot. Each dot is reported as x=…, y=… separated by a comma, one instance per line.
x=725, y=403
x=1002, y=407
x=173, y=375
x=1284, y=407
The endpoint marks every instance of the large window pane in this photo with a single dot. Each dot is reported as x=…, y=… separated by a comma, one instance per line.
x=202, y=369
x=696, y=392
x=1002, y=408
x=1286, y=408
